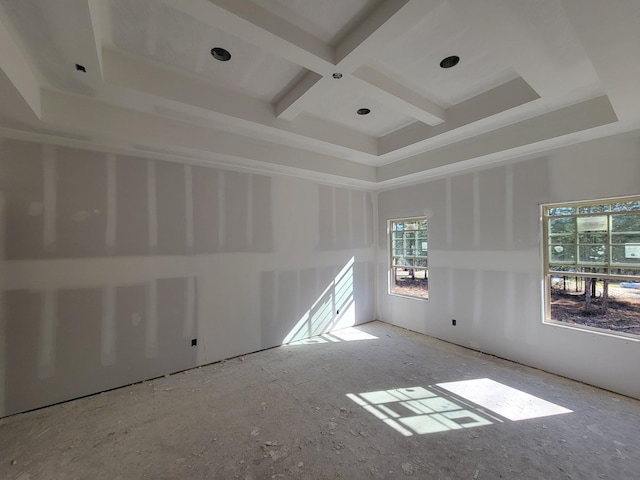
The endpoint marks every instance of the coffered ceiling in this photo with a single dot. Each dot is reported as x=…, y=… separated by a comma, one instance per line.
x=138, y=76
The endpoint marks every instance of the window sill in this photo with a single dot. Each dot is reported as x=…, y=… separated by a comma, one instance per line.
x=391, y=294
x=593, y=330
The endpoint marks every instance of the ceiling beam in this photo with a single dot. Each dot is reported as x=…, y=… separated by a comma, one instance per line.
x=289, y=106
x=254, y=24
x=484, y=112
x=358, y=48
x=17, y=70
x=79, y=45
x=386, y=22
x=399, y=97
x=177, y=92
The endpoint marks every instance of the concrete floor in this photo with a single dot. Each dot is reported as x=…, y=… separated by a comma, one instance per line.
x=285, y=413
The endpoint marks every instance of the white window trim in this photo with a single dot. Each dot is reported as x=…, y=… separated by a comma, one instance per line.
x=546, y=274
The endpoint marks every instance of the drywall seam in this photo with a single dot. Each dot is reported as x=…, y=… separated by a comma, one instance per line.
x=152, y=205
x=151, y=320
x=190, y=308
x=449, y=212
x=221, y=208
x=334, y=215
x=510, y=306
x=350, y=211
x=477, y=306
x=376, y=252
x=188, y=192
x=249, y=220
x=451, y=290
x=365, y=212
x=50, y=197
x=476, y=210
x=112, y=204
x=108, y=330
x=48, y=333
x=508, y=213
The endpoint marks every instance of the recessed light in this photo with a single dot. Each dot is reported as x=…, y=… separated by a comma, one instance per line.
x=220, y=54
x=449, y=62
x=81, y=68
x=337, y=75
x=363, y=111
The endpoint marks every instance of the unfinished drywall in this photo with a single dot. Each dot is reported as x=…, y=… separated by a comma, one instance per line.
x=116, y=269
x=485, y=259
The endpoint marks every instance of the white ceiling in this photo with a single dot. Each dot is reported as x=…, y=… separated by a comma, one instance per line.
x=532, y=76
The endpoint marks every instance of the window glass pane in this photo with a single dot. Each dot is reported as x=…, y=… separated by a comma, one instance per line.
x=592, y=238
x=562, y=225
x=624, y=238
x=593, y=208
x=625, y=206
x=561, y=211
x=592, y=253
x=625, y=222
x=592, y=270
x=562, y=253
x=593, y=224
x=555, y=239
x=603, y=304
x=628, y=272
x=628, y=253
x=561, y=268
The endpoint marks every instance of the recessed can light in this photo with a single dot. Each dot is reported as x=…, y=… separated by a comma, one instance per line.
x=449, y=62
x=337, y=75
x=363, y=111
x=220, y=54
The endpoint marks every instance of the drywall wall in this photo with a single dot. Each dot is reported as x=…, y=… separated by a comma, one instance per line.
x=485, y=260
x=113, y=266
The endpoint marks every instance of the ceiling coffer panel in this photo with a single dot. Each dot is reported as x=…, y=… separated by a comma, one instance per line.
x=414, y=59
x=157, y=31
x=341, y=102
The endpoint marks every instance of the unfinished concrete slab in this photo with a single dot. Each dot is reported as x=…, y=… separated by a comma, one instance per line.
x=373, y=401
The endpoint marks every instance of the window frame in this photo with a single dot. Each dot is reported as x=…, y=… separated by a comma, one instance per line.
x=606, y=266
x=391, y=256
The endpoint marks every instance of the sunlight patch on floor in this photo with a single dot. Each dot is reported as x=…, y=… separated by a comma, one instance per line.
x=350, y=334
x=503, y=400
x=418, y=410
x=452, y=406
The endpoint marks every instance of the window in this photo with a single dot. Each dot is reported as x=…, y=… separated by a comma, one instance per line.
x=592, y=264
x=409, y=268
